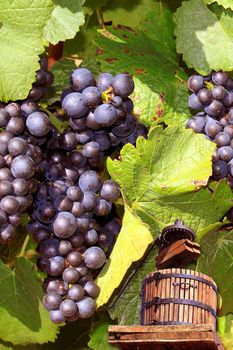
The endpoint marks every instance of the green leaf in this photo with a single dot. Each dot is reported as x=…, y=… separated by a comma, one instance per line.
x=225, y=329
x=225, y=3
x=142, y=52
x=208, y=43
x=61, y=71
x=74, y=336
x=65, y=20
x=127, y=308
x=217, y=261
x=21, y=36
x=99, y=335
x=23, y=318
x=130, y=246
x=160, y=181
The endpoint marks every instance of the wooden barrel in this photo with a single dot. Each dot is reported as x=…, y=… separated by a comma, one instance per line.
x=178, y=297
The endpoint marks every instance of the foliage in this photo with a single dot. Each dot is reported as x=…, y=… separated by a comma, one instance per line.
x=163, y=178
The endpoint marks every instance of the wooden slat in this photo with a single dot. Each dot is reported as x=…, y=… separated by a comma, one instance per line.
x=191, y=337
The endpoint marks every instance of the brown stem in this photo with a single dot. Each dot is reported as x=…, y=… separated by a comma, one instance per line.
x=55, y=53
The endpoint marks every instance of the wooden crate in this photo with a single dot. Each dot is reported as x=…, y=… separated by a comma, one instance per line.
x=188, y=337
x=177, y=297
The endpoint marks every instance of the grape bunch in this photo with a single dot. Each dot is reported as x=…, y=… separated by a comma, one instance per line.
x=101, y=112
x=26, y=129
x=73, y=224
x=44, y=78
x=212, y=100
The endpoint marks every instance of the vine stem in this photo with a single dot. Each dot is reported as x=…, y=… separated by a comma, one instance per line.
x=25, y=243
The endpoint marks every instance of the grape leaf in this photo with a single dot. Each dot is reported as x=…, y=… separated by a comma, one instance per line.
x=142, y=52
x=23, y=319
x=225, y=330
x=130, y=246
x=225, y=3
x=126, y=309
x=21, y=36
x=160, y=179
x=74, y=336
x=208, y=43
x=217, y=261
x=65, y=20
x=99, y=335
x=61, y=71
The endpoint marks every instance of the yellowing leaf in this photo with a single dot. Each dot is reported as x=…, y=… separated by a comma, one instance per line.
x=130, y=246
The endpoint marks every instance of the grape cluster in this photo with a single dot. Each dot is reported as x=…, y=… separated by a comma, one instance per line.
x=26, y=129
x=101, y=112
x=212, y=99
x=73, y=222
x=44, y=78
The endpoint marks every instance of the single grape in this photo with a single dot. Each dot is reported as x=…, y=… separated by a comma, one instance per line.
x=13, y=109
x=70, y=275
x=228, y=99
x=89, y=200
x=230, y=167
x=91, y=96
x=105, y=115
x=91, y=237
x=52, y=300
x=219, y=92
x=212, y=127
x=56, y=316
x=76, y=292
x=124, y=129
x=68, y=141
x=58, y=286
x=6, y=188
x=15, y=125
x=195, y=83
x=49, y=248
x=104, y=81
x=86, y=307
x=4, y=117
x=123, y=85
x=222, y=139
x=74, y=105
x=23, y=167
x=56, y=266
x=84, y=136
x=91, y=289
x=220, y=78
x=204, y=96
x=65, y=247
x=94, y=258
x=128, y=104
x=64, y=225
x=102, y=207
x=76, y=240
x=214, y=109
x=229, y=130
x=113, y=226
x=81, y=78
x=89, y=181
x=17, y=146
x=230, y=116
x=110, y=190
x=38, y=124
x=74, y=258
x=77, y=209
x=41, y=234
x=77, y=159
x=194, y=102
x=28, y=107
x=225, y=153
x=83, y=222
x=220, y=169
x=91, y=149
x=74, y=193
x=9, y=204
x=68, y=308
x=63, y=203
x=103, y=141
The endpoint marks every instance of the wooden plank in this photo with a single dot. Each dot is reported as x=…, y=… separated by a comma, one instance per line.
x=190, y=337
